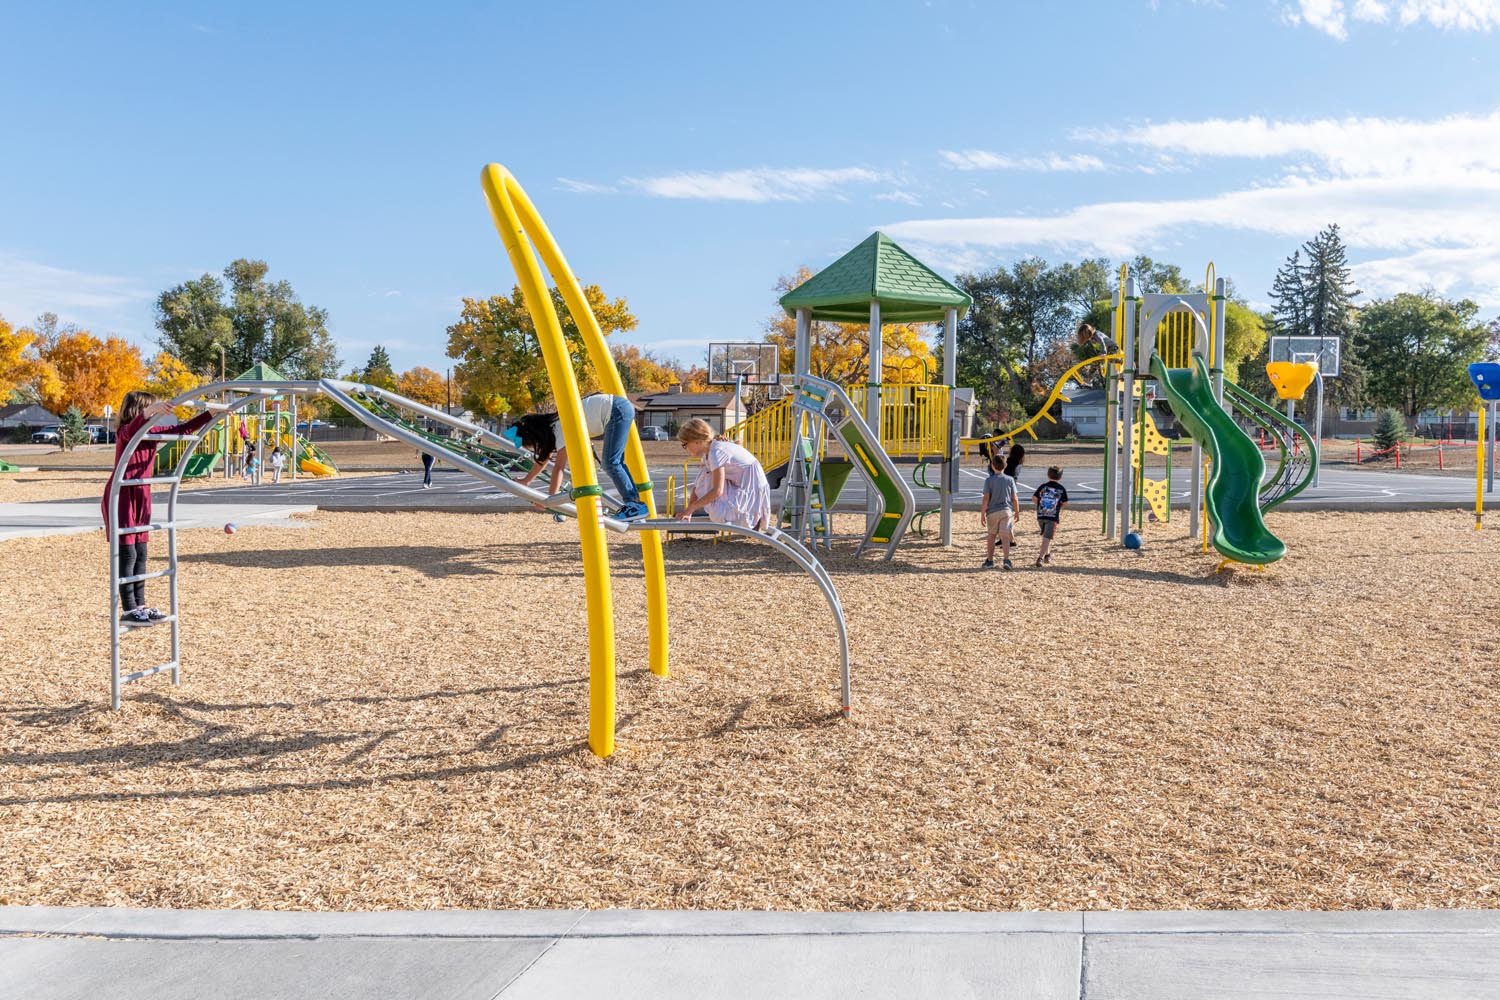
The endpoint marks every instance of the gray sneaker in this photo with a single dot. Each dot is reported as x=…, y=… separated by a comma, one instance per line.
x=1006, y=565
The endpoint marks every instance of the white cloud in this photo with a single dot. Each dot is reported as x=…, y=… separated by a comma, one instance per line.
x=1423, y=195
x=28, y=288
x=981, y=159
x=583, y=187
x=392, y=294
x=1346, y=146
x=759, y=184
x=904, y=197
x=1332, y=16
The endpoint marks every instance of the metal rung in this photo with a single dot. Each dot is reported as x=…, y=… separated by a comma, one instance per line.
x=127, y=678
x=142, y=528
x=153, y=481
x=170, y=437
x=142, y=626
x=147, y=576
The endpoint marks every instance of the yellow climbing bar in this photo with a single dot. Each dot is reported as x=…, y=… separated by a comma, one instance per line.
x=520, y=227
x=1053, y=398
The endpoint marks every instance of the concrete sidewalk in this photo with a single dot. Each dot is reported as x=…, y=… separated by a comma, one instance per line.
x=50, y=953
x=31, y=520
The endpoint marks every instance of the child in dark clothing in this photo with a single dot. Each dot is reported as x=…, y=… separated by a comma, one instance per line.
x=134, y=507
x=1050, y=497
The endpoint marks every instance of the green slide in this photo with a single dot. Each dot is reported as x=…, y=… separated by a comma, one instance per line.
x=1234, y=484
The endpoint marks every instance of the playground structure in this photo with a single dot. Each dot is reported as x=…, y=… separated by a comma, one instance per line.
x=1486, y=378
x=486, y=456
x=270, y=424
x=1176, y=341
x=877, y=425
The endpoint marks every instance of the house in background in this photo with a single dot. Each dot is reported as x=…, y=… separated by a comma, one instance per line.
x=672, y=408
x=29, y=416
x=1084, y=411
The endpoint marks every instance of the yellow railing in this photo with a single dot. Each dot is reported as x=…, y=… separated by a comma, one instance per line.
x=767, y=434
x=913, y=418
x=1174, y=339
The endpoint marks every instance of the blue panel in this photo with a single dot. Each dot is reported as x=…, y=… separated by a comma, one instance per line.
x=1486, y=378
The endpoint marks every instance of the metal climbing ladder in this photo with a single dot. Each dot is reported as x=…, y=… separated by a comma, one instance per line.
x=117, y=479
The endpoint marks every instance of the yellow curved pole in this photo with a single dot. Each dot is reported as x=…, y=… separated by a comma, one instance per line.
x=1041, y=414
x=499, y=190
x=609, y=380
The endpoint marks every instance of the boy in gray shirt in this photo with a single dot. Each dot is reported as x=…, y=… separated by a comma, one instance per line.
x=999, y=508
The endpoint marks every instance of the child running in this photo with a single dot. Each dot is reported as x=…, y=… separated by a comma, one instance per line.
x=1000, y=508
x=1051, y=497
x=134, y=508
x=277, y=461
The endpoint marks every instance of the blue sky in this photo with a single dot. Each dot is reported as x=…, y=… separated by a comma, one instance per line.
x=686, y=154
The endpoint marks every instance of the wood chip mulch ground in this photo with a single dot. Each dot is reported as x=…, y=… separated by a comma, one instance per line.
x=387, y=711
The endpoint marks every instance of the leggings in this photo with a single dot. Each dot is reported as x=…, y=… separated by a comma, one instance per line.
x=132, y=563
x=426, y=469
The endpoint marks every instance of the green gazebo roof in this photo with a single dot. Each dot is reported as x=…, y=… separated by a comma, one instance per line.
x=908, y=290
x=260, y=372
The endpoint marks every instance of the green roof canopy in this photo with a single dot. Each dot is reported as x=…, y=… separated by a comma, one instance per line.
x=260, y=372
x=908, y=290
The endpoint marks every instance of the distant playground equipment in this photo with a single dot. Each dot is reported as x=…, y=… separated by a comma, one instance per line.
x=486, y=456
x=1176, y=341
x=272, y=423
x=1486, y=378
x=876, y=426
x=1297, y=363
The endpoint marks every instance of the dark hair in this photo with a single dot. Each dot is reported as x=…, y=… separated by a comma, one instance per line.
x=1014, y=459
x=134, y=404
x=536, y=434
x=1054, y=472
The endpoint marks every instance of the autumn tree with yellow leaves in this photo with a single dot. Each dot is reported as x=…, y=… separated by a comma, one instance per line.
x=500, y=361
x=424, y=386
x=92, y=373
x=24, y=376
x=841, y=351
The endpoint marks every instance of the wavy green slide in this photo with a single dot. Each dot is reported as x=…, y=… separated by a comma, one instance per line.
x=1234, y=484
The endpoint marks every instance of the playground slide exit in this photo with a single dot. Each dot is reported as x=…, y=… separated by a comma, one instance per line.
x=1239, y=531
x=307, y=459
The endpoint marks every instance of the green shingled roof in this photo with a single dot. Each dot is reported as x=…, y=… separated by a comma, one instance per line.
x=908, y=290
x=260, y=372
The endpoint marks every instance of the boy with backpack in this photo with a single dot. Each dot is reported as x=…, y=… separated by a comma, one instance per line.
x=1050, y=497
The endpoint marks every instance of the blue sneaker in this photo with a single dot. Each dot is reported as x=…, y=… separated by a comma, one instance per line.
x=634, y=511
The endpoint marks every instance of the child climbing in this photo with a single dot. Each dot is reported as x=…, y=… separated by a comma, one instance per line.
x=999, y=509
x=133, y=509
x=1050, y=497
x=732, y=487
x=606, y=416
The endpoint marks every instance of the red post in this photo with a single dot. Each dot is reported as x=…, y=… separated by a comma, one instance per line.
x=1356, y=451
x=1440, y=456
x=1398, y=454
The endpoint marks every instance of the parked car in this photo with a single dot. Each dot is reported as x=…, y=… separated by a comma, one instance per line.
x=102, y=435
x=655, y=434
x=51, y=434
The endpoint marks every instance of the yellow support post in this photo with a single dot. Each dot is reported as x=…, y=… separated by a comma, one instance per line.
x=1479, y=473
x=501, y=190
x=610, y=381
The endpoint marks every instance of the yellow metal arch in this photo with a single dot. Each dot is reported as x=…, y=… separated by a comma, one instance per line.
x=1042, y=414
x=520, y=226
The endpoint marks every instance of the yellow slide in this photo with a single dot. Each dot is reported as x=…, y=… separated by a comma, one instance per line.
x=309, y=460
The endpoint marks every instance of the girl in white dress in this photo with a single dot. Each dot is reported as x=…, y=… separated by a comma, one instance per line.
x=732, y=487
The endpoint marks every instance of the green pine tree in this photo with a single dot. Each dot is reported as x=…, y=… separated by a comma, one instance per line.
x=1389, y=429
x=75, y=429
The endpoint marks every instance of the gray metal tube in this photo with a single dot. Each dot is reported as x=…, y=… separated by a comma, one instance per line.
x=950, y=463
x=1318, y=432
x=1125, y=479
x=872, y=403
x=793, y=550
x=802, y=349
x=1490, y=472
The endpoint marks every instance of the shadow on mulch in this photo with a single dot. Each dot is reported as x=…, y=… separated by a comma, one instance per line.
x=435, y=561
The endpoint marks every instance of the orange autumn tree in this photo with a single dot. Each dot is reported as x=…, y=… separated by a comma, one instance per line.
x=641, y=371
x=424, y=386
x=91, y=373
x=22, y=370
x=169, y=378
x=841, y=351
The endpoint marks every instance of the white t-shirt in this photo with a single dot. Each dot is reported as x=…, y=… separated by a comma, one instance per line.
x=277, y=460
x=596, y=411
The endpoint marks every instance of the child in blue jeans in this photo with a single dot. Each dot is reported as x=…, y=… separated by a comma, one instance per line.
x=606, y=416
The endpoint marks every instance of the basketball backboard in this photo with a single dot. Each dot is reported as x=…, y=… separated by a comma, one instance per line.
x=1322, y=351
x=746, y=363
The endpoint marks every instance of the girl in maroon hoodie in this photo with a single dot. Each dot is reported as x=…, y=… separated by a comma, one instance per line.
x=135, y=501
